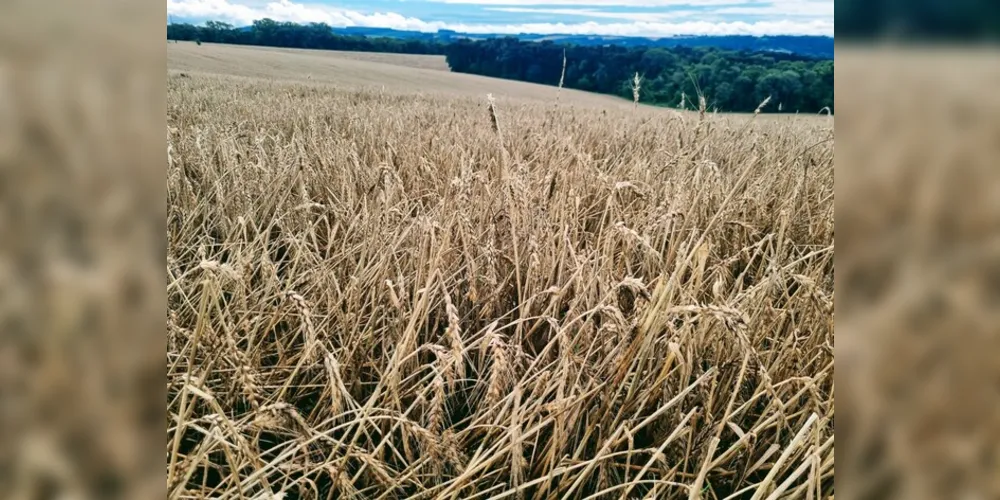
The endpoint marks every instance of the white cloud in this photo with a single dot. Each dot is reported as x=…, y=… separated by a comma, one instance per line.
x=776, y=8
x=218, y=10
x=286, y=10
x=660, y=29
x=602, y=3
x=781, y=8
x=599, y=14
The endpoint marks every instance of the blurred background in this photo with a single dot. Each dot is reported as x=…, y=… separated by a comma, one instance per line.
x=82, y=286
x=918, y=263
x=917, y=20
x=82, y=235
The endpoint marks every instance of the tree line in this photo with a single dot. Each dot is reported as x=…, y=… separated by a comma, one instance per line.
x=730, y=80
x=733, y=81
x=271, y=33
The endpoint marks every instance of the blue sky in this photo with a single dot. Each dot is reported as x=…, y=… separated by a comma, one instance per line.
x=597, y=17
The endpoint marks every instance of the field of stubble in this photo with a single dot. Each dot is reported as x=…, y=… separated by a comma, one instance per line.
x=377, y=294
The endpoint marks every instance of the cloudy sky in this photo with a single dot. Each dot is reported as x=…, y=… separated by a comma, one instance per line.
x=603, y=17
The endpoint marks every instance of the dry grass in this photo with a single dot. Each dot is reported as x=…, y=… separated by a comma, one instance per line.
x=376, y=295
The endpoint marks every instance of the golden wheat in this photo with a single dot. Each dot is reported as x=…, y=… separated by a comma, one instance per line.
x=370, y=299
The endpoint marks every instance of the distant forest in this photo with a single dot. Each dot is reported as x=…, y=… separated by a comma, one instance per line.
x=730, y=80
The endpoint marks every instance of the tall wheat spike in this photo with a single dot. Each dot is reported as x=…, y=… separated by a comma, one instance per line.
x=562, y=76
x=636, y=87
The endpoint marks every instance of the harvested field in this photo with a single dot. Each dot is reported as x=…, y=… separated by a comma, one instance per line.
x=208, y=54
x=395, y=73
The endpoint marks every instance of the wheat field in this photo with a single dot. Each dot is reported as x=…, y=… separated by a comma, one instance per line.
x=399, y=73
x=383, y=293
